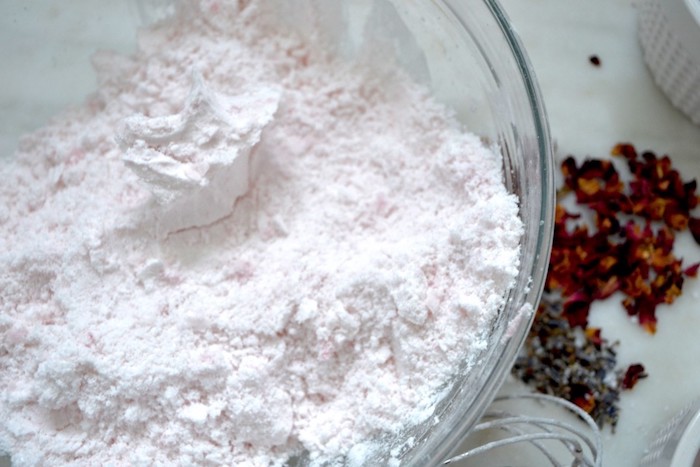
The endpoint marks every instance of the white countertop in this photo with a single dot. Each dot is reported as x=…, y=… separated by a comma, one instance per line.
x=590, y=110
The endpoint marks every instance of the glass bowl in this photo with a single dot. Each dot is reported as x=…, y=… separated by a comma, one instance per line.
x=466, y=52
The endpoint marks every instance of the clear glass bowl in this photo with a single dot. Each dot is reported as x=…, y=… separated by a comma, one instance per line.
x=464, y=50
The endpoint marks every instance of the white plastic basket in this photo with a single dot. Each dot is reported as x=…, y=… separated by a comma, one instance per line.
x=677, y=444
x=669, y=32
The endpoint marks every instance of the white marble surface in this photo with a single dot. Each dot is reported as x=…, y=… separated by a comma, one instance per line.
x=590, y=110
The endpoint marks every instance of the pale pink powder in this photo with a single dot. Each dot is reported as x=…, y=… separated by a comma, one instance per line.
x=365, y=262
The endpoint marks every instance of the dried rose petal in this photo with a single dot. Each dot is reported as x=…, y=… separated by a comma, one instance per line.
x=632, y=376
x=691, y=271
x=593, y=334
x=607, y=288
x=576, y=308
x=625, y=150
x=694, y=226
x=645, y=309
x=585, y=401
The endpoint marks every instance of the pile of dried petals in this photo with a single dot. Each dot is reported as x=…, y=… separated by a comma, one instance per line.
x=631, y=256
x=627, y=248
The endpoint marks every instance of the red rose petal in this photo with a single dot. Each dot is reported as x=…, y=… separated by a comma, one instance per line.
x=632, y=376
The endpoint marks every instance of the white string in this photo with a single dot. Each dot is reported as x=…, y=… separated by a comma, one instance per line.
x=540, y=446
x=572, y=437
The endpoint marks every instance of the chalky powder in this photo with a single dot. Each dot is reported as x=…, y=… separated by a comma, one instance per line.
x=238, y=249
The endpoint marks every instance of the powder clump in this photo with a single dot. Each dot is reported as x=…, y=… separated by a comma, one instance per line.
x=239, y=249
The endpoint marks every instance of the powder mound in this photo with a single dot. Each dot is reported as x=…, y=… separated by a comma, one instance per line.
x=197, y=163
x=241, y=249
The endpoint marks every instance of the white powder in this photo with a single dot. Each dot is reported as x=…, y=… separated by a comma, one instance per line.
x=238, y=249
x=197, y=162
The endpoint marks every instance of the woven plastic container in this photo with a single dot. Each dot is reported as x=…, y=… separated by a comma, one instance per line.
x=669, y=32
x=677, y=444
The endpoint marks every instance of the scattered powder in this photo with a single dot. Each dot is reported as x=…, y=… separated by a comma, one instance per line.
x=238, y=249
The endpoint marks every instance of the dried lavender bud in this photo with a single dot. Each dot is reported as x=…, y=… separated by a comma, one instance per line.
x=571, y=363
